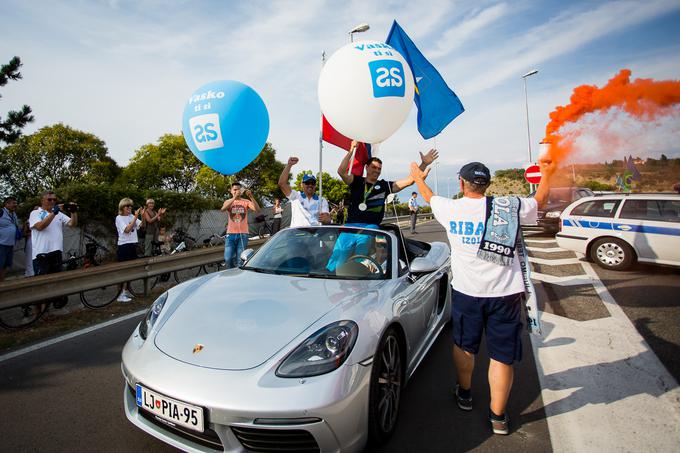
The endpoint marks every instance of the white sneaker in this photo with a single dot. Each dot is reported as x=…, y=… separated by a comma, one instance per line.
x=122, y=298
x=128, y=294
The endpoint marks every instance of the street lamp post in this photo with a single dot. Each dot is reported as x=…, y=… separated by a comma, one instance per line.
x=362, y=27
x=526, y=104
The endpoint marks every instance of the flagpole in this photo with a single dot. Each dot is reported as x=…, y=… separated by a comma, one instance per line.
x=323, y=61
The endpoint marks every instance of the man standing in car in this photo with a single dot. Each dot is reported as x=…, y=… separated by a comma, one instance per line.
x=307, y=208
x=367, y=203
x=487, y=280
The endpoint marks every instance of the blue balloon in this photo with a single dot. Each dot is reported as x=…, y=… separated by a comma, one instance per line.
x=225, y=125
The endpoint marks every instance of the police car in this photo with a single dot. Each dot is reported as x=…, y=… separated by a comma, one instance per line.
x=616, y=230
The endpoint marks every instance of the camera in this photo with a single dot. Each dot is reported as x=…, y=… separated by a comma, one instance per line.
x=70, y=207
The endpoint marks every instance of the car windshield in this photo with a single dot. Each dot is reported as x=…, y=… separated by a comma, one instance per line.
x=326, y=252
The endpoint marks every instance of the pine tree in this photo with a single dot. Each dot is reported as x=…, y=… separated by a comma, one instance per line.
x=10, y=129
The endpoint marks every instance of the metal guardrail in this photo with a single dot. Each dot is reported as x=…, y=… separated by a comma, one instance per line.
x=27, y=290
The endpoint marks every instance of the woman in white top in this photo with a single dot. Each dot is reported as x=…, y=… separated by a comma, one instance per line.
x=278, y=214
x=127, y=225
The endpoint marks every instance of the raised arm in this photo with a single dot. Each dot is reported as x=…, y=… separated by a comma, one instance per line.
x=343, y=169
x=227, y=204
x=285, y=175
x=253, y=202
x=548, y=167
x=419, y=176
x=428, y=158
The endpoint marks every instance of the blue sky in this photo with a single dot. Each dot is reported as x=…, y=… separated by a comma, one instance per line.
x=123, y=69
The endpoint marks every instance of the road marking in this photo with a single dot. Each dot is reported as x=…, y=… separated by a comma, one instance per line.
x=541, y=241
x=568, y=280
x=68, y=336
x=548, y=249
x=603, y=387
x=554, y=262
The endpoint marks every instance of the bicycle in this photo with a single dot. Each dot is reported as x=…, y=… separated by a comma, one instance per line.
x=263, y=226
x=215, y=240
x=95, y=254
x=23, y=316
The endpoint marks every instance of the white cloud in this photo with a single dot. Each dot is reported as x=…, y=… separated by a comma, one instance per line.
x=456, y=36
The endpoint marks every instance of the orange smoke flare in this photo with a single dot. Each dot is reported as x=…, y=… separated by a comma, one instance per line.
x=643, y=99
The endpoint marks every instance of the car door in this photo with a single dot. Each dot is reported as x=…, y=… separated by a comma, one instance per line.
x=593, y=216
x=653, y=227
x=417, y=302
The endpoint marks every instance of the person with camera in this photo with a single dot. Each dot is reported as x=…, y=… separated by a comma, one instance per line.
x=151, y=223
x=127, y=225
x=237, y=228
x=9, y=234
x=47, y=236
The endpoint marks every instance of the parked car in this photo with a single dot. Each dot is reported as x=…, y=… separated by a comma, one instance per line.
x=616, y=230
x=559, y=198
x=289, y=352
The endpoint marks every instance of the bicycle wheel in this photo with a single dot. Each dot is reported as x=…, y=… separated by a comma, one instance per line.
x=136, y=287
x=187, y=274
x=21, y=316
x=212, y=267
x=99, y=297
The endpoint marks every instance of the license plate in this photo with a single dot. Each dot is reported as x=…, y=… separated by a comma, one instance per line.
x=170, y=410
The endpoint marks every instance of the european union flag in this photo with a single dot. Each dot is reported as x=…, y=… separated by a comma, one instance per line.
x=437, y=104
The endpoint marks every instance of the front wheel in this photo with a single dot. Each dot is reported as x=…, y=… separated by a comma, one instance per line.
x=387, y=377
x=22, y=316
x=612, y=253
x=99, y=297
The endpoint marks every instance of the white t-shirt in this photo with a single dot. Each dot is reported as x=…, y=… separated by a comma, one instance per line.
x=49, y=239
x=305, y=212
x=463, y=220
x=121, y=223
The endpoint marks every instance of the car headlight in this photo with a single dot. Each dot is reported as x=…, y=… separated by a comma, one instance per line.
x=324, y=351
x=152, y=315
x=553, y=214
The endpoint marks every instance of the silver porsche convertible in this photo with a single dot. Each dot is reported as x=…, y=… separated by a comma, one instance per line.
x=306, y=347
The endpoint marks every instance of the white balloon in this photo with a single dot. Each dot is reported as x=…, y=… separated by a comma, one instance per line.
x=366, y=91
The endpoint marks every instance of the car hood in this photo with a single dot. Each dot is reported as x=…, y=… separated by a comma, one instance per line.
x=238, y=319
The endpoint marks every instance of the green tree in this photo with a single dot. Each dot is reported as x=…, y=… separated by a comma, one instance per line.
x=10, y=129
x=213, y=184
x=334, y=189
x=169, y=165
x=510, y=173
x=262, y=175
x=52, y=157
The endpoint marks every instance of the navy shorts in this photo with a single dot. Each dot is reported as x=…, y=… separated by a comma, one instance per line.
x=6, y=255
x=127, y=252
x=498, y=316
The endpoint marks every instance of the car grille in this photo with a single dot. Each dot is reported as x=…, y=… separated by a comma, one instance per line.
x=208, y=438
x=268, y=440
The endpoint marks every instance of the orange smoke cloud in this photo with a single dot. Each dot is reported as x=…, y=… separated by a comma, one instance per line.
x=643, y=99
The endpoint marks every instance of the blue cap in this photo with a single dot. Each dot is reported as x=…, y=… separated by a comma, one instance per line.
x=308, y=177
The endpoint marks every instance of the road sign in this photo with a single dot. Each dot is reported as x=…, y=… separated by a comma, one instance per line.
x=533, y=174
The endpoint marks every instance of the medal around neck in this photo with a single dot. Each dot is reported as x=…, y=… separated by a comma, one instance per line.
x=362, y=206
x=225, y=124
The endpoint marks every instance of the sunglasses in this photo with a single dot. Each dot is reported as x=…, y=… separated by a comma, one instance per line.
x=51, y=199
x=309, y=183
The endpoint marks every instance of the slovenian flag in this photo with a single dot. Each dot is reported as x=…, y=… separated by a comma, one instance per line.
x=362, y=154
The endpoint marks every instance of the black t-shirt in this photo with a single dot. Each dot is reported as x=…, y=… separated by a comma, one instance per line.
x=373, y=195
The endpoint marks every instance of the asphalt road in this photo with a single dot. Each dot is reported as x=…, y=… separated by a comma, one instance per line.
x=68, y=397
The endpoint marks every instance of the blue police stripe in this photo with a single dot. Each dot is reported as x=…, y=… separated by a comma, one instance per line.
x=622, y=227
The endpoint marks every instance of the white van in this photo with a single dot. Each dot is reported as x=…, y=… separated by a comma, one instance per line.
x=615, y=230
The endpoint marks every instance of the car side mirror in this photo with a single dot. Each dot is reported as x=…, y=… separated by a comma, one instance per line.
x=246, y=255
x=423, y=264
